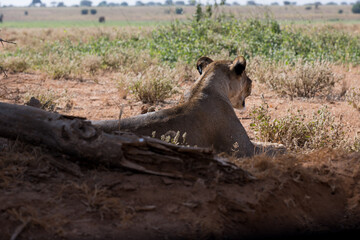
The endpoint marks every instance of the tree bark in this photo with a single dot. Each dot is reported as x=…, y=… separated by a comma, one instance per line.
x=78, y=138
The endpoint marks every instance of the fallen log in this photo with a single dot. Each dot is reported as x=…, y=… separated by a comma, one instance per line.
x=78, y=138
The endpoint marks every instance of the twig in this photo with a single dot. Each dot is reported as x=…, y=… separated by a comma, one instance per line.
x=2, y=42
x=120, y=114
x=19, y=229
x=3, y=70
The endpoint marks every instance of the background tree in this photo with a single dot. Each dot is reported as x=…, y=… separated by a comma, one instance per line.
x=192, y=2
x=139, y=3
x=85, y=3
x=34, y=2
x=180, y=3
x=102, y=4
x=356, y=7
x=198, y=13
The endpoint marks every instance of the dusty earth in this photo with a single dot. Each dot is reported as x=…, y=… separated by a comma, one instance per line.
x=45, y=195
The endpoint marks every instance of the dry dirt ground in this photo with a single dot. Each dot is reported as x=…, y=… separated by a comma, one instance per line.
x=44, y=195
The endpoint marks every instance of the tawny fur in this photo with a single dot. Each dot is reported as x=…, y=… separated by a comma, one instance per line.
x=207, y=115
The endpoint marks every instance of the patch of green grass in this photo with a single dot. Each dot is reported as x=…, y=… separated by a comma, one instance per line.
x=184, y=42
x=253, y=37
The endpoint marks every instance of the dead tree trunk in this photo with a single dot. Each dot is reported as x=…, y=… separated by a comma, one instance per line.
x=78, y=138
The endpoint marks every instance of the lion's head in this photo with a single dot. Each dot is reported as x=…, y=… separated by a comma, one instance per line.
x=239, y=84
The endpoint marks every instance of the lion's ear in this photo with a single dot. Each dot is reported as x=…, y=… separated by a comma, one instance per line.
x=202, y=63
x=238, y=65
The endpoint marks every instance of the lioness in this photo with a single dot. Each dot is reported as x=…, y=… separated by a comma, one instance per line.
x=207, y=116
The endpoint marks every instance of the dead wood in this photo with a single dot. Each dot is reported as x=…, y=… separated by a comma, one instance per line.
x=78, y=138
x=6, y=41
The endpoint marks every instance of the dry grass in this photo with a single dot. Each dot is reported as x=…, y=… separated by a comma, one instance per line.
x=31, y=216
x=301, y=79
x=49, y=99
x=15, y=64
x=99, y=199
x=298, y=131
x=154, y=85
x=353, y=97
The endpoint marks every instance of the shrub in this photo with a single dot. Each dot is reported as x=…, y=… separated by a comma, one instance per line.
x=59, y=71
x=355, y=145
x=301, y=79
x=84, y=11
x=352, y=96
x=91, y=63
x=93, y=11
x=101, y=19
x=340, y=11
x=179, y=11
x=252, y=37
x=296, y=130
x=356, y=8
x=16, y=64
x=48, y=98
x=154, y=85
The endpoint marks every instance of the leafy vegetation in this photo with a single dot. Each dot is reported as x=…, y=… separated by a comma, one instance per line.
x=356, y=7
x=295, y=60
x=186, y=41
x=296, y=130
x=252, y=37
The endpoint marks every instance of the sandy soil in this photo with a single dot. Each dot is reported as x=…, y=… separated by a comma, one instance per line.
x=46, y=195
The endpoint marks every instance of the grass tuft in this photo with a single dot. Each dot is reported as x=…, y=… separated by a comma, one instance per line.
x=300, y=79
x=154, y=85
x=352, y=96
x=297, y=130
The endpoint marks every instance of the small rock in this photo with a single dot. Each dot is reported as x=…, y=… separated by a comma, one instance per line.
x=33, y=102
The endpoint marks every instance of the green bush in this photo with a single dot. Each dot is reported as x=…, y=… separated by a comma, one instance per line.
x=356, y=8
x=179, y=11
x=252, y=37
